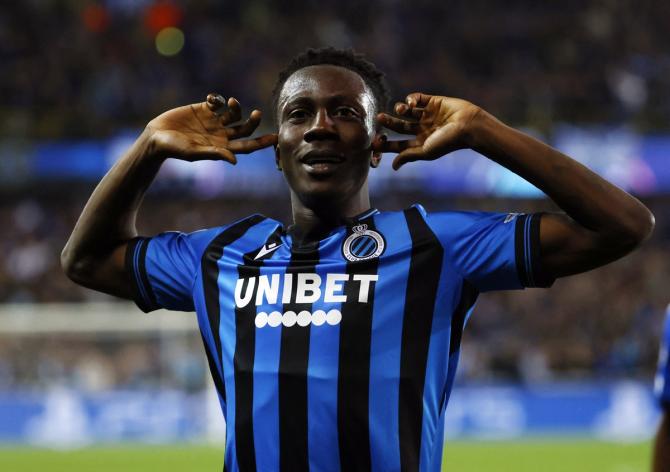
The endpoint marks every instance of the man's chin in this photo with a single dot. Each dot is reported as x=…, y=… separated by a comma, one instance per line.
x=322, y=193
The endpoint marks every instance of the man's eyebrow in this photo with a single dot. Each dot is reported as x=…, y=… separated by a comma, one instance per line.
x=298, y=101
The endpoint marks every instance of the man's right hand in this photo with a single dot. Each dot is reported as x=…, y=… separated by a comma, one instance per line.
x=206, y=131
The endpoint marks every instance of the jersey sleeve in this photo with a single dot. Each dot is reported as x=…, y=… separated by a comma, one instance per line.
x=162, y=269
x=493, y=251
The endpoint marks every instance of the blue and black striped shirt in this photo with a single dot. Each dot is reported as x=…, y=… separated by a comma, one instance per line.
x=340, y=355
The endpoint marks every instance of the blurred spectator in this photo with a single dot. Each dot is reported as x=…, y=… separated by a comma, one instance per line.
x=604, y=323
x=73, y=69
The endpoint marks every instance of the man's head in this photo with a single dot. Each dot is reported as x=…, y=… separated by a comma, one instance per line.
x=325, y=104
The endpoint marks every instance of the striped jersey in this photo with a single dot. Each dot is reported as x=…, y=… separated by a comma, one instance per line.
x=662, y=379
x=341, y=354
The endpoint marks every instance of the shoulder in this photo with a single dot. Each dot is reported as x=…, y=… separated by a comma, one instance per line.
x=459, y=223
x=197, y=242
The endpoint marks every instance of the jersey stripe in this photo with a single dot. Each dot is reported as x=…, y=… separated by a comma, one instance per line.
x=354, y=363
x=293, y=364
x=243, y=361
x=143, y=294
x=422, y=285
x=466, y=301
x=527, y=252
x=210, y=276
x=386, y=342
x=214, y=369
x=266, y=382
x=324, y=342
x=519, y=249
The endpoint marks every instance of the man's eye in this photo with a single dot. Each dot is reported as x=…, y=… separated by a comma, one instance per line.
x=297, y=114
x=346, y=112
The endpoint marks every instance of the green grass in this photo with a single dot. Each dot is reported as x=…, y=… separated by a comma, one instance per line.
x=460, y=456
x=546, y=456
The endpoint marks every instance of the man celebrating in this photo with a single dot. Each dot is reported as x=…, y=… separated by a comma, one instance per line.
x=333, y=343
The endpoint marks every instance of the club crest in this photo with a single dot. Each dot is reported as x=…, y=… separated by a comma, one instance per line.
x=363, y=244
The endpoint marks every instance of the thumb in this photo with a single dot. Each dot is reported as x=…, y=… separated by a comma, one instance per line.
x=408, y=155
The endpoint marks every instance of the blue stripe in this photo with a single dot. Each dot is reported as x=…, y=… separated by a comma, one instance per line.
x=322, y=370
x=266, y=382
x=365, y=249
x=440, y=368
x=206, y=331
x=231, y=258
x=385, y=344
x=359, y=243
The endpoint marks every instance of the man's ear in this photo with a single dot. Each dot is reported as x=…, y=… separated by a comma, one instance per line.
x=376, y=159
x=278, y=159
x=378, y=143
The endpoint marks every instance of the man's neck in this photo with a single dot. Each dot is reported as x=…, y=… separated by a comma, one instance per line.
x=313, y=223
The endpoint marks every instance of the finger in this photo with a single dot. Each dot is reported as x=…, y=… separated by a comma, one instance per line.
x=235, y=109
x=405, y=110
x=398, y=146
x=215, y=102
x=397, y=124
x=246, y=128
x=410, y=154
x=245, y=146
x=233, y=113
x=418, y=99
x=212, y=153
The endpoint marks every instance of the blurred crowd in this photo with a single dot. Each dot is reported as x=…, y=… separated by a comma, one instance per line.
x=77, y=70
x=90, y=69
x=605, y=323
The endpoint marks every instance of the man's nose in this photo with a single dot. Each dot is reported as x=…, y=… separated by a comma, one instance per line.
x=323, y=127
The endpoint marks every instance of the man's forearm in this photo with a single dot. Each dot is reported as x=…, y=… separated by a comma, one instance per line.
x=108, y=219
x=586, y=197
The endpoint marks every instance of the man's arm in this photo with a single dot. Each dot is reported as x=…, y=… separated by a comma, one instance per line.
x=95, y=252
x=602, y=222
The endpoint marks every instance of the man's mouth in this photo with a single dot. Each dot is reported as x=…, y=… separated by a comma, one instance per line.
x=321, y=162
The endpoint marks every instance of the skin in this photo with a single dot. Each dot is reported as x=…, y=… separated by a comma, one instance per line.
x=326, y=109
x=329, y=110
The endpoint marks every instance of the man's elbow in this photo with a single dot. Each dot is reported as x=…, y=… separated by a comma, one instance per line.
x=76, y=269
x=634, y=233
x=644, y=227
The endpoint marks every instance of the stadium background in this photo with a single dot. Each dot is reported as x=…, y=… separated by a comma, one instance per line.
x=557, y=374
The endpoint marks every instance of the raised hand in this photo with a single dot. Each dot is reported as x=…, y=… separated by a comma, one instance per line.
x=207, y=131
x=440, y=126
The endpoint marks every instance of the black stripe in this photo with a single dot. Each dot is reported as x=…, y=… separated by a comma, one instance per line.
x=293, y=362
x=218, y=383
x=143, y=274
x=540, y=277
x=132, y=278
x=467, y=299
x=245, y=348
x=210, y=284
x=519, y=248
x=353, y=383
x=422, y=284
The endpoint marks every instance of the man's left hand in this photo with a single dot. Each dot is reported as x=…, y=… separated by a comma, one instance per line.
x=440, y=125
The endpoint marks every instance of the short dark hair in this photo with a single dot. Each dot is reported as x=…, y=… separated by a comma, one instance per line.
x=347, y=58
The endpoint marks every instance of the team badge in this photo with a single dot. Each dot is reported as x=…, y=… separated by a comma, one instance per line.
x=363, y=244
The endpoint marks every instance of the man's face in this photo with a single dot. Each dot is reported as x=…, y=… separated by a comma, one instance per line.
x=326, y=126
